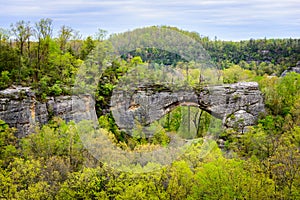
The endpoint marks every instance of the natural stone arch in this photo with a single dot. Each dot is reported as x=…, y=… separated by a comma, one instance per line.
x=237, y=105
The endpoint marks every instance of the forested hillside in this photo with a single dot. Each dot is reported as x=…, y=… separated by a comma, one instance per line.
x=53, y=163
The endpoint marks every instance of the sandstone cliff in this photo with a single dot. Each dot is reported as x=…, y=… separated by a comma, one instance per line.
x=19, y=108
x=238, y=105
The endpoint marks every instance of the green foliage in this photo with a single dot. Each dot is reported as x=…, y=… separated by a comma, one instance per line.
x=264, y=56
x=4, y=80
x=109, y=79
x=171, y=122
x=47, y=170
x=88, y=46
x=55, y=139
x=136, y=61
x=86, y=184
x=161, y=138
x=56, y=89
x=228, y=179
x=8, y=144
x=281, y=94
x=138, y=133
x=236, y=74
x=181, y=181
x=200, y=122
x=154, y=55
x=9, y=60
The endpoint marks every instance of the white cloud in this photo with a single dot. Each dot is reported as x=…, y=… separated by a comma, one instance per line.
x=114, y=14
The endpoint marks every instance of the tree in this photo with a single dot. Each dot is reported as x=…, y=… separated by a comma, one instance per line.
x=4, y=80
x=285, y=166
x=77, y=43
x=43, y=32
x=231, y=179
x=56, y=139
x=26, y=179
x=181, y=180
x=4, y=36
x=281, y=94
x=43, y=29
x=22, y=31
x=8, y=144
x=137, y=186
x=65, y=34
x=88, y=46
x=9, y=61
x=100, y=35
x=86, y=184
x=235, y=74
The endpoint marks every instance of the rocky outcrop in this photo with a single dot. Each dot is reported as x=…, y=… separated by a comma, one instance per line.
x=238, y=105
x=19, y=108
x=292, y=69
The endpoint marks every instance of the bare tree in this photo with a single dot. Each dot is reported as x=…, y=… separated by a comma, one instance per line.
x=22, y=31
x=100, y=35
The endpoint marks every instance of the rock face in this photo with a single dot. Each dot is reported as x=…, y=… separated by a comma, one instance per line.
x=19, y=108
x=292, y=69
x=238, y=105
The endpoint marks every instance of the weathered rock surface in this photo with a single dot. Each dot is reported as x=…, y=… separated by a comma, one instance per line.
x=238, y=105
x=19, y=108
x=292, y=69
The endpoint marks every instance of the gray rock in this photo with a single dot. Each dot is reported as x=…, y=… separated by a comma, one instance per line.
x=19, y=108
x=238, y=105
x=292, y=69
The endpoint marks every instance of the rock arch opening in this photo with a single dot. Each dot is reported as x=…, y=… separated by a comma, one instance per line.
x=236, y=104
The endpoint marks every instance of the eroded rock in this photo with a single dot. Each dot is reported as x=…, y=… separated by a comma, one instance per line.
x=292, y=69
x=238, y=105
x=19, y=108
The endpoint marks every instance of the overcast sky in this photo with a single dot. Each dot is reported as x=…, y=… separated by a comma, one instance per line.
x=228, y=20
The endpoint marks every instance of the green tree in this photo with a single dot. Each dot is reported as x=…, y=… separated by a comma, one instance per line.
x=86, y=184
x=8, y=144
x=43, y=32
x=56, y=139
x=281, y=94
x=229, y=179
x=137, y=186
x=65, y=34
x=181, y=180
x=22, y=31
x=285, y=166
x=235, y=74
x=88, y=46
x=5, y=81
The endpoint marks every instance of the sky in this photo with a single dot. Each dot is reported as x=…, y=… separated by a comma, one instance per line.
x=225, y=19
